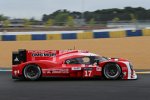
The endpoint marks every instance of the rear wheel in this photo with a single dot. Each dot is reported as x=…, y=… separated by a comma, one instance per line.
x=112, y=71
x=32, y=72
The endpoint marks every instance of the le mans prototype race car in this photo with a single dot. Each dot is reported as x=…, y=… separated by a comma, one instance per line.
x=35, y=64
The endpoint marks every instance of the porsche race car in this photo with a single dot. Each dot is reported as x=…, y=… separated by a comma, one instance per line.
x=35, y=64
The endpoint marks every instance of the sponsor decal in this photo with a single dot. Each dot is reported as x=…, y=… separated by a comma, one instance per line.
x=98, y=69
x=116, y=59
x=83, y=65
x=16, y=59
x=58, y=71
x=76, y=68
x=87, y=73
x=43, y=54
x=125, y=73
x=88, y=68
x=16, y=72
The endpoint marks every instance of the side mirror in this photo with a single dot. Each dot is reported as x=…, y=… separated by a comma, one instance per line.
x=97, y=61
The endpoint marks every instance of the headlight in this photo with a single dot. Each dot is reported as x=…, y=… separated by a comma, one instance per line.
x=131, y=66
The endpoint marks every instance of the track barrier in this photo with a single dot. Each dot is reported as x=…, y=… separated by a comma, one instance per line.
x=66, y=35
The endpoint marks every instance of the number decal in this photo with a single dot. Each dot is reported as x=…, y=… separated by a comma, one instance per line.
x=87, y=73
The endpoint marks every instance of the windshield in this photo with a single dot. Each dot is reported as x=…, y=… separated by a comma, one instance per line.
x=101, y=59
x=85, y=60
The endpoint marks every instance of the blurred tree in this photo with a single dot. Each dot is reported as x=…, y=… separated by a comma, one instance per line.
x=133, y=18
x=140, y=13
x=49, y=23
x=70, y=21
x=27, y=23
x=76, y=15
x=2, y=18
x=116, y=19
x=33, y=21
x=61, y=18
x=92, y=22
x=6, y=23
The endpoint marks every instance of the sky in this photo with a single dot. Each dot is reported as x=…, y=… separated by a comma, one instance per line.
x=36, y=8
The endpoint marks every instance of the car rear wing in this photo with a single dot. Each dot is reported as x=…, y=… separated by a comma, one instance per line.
x=23, y=55
x=19, y=56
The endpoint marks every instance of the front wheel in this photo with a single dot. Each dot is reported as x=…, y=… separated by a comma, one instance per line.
x=32, y=72
x=112, y=71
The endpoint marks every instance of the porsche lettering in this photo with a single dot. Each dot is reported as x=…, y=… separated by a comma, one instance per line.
x=43, y=54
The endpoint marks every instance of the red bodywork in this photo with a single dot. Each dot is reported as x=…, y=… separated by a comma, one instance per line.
x=53, y=64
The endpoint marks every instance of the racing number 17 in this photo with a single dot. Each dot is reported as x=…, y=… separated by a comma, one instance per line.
x=87, y=73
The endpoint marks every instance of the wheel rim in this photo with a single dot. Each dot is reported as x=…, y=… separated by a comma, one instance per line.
x=112, y=71
x=32, y=72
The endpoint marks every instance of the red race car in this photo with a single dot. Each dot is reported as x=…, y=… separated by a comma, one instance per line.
x=35, y=64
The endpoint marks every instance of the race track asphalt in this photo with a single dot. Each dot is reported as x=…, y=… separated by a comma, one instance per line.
x=48, y=89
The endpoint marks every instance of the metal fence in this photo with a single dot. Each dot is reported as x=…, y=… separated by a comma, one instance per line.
x=139, y=24
x=77, y=25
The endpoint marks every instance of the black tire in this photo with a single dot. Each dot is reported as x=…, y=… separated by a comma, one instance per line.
x=112, y=71
x=32, y=72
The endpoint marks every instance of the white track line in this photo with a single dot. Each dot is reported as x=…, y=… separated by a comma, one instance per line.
x=1, y=70
x=143, y=72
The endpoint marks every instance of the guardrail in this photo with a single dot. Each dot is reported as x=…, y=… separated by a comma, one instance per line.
x=64, y=35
